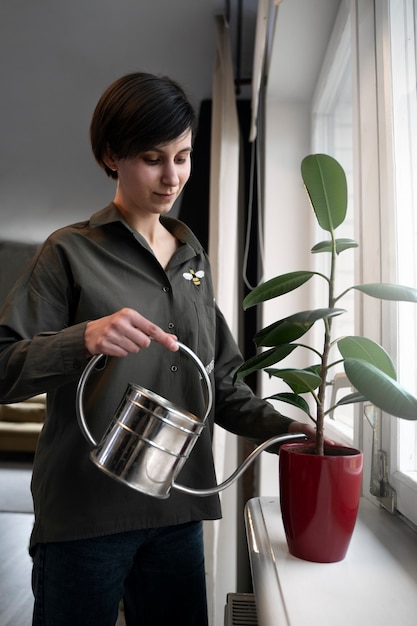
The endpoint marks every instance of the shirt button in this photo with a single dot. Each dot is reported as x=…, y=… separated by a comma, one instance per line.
x=174, y=368
x=171, y=325
x=166, y=289
x=76, y=365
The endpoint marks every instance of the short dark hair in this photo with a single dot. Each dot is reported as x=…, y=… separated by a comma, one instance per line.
x=136, y=113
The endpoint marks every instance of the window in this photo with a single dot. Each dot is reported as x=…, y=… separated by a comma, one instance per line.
x=333, y=134
x=385, y=159
x=367, y=119
x=402, y=31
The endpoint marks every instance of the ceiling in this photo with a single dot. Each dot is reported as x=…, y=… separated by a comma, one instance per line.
x=302, y=32
x=58, y=57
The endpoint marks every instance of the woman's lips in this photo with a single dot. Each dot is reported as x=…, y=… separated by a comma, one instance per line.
x=166, y=196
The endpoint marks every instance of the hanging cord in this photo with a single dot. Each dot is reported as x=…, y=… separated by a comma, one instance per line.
x=250, y=216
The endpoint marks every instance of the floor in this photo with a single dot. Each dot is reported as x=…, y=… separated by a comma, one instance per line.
x=16, y=601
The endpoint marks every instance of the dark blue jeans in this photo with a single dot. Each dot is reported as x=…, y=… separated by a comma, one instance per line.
x=159, y=573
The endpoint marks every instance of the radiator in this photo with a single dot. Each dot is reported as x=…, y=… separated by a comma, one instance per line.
x=240, y=610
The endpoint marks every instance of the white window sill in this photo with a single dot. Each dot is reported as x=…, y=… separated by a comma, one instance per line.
x=375, y=584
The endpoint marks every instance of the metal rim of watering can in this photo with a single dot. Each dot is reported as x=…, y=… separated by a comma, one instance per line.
x=91, y=365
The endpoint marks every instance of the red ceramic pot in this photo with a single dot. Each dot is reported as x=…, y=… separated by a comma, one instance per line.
x=319, y=499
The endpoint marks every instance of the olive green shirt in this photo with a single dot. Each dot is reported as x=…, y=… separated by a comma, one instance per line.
x=86, y=271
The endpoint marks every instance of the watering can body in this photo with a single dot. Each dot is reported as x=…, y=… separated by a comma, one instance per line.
x=149, y=438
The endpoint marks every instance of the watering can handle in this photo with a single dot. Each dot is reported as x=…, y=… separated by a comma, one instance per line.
x=243, y=467
x=79, y=405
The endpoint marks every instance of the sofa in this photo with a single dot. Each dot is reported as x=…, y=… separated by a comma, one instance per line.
x=21, y=423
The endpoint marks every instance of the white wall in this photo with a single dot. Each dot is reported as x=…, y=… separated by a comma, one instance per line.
x=302, y=31
x=288, y=232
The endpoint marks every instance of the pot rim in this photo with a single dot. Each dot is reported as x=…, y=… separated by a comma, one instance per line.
x=305, y=448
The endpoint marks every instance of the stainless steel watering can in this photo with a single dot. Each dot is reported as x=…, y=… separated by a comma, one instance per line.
x=149, y=438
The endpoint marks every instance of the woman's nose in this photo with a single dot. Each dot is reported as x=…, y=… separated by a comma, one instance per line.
x=170, y=175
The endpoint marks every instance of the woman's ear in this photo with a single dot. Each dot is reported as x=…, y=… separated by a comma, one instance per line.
x=110, y=161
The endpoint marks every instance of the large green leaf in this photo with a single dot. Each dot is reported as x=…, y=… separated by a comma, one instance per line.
x=367, y=350
x=380, y=389
x=283, y=332
x=389, y=291
x=300, y=381
x=293, y=399
x=325, y=181
x=264, y=359
x=293, y=327
x=341, y=244
x=276, y=287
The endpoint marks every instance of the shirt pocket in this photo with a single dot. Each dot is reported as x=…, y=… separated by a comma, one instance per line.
x=205, y=314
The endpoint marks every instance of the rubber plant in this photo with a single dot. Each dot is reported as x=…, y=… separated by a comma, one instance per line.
x=367, y=365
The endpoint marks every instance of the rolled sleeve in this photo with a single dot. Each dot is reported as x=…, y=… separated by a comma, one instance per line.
x=50, y=359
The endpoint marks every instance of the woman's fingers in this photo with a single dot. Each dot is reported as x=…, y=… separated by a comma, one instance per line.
x=124, y=332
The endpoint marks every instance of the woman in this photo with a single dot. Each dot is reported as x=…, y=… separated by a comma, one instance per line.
x=107, y=286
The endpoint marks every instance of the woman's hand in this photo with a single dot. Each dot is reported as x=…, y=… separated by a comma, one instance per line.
x=124, y=332
x=309, y=431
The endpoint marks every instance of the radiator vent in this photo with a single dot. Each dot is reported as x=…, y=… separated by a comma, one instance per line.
x=240, y=610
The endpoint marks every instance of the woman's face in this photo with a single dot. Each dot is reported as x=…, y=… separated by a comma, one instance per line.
x=151, y=182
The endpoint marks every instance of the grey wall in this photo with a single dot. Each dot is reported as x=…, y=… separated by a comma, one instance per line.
x=57, y=57
x=14, y=255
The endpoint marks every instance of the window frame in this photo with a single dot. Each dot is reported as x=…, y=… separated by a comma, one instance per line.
x=404, y=483
x=336, y=69
x=374, y=202
x=375, y=157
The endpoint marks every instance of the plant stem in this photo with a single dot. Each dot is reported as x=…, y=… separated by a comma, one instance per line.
x=325, y=356
x=322, y=390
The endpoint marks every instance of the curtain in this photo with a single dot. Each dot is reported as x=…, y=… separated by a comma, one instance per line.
x=261, y=38
x=220, y=536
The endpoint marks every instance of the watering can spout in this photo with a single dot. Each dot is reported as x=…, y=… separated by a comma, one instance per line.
x=149, y=438
x=278, y=439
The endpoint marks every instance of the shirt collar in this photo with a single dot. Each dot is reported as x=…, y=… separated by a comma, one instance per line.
x=180, y=230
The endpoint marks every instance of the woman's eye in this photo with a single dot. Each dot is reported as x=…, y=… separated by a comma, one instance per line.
x=183, y=158
x=179, y=160
x=151, y=161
